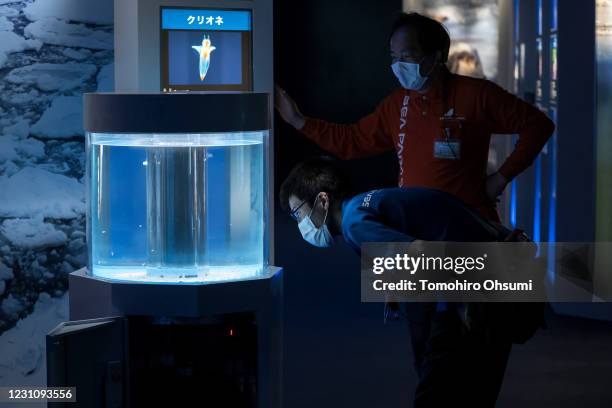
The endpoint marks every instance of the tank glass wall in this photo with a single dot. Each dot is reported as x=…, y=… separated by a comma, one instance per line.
x=177, y=207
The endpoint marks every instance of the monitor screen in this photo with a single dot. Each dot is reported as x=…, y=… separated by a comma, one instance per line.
x=205, y=49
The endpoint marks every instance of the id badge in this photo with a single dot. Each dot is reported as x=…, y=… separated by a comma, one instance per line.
x=449, y=145
x=447, y=149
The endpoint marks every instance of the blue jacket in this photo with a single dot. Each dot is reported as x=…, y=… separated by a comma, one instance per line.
x=406, y=214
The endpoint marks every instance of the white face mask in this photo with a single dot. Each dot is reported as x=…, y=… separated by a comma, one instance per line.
x=409, y=75
x=320, y=237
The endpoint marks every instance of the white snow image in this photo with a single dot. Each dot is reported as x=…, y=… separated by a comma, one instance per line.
x=51, y=52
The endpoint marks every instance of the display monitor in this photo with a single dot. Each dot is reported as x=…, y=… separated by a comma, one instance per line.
x=205, y=49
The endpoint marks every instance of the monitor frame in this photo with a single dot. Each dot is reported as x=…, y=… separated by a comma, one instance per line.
x=247, y=55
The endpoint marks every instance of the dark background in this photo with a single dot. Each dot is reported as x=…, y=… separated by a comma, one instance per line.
x=332, y=57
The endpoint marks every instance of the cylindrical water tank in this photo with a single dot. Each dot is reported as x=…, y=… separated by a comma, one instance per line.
x=176, y=186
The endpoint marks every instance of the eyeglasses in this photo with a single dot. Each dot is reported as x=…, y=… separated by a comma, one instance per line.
x=293, y=213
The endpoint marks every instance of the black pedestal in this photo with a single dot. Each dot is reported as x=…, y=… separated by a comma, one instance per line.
x=132, y=344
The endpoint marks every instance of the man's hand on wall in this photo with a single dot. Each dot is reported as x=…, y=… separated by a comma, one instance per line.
x=287, y=108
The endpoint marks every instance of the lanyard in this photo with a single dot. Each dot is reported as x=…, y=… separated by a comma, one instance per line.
x=449, y=94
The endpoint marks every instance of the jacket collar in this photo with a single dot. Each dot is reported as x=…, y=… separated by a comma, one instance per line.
x=440, y=89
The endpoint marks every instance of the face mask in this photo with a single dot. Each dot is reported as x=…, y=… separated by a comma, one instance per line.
x=320, y=237
x=409, y=75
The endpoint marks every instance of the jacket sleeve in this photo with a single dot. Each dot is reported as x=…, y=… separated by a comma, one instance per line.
x=509, y=114
x=366, y=137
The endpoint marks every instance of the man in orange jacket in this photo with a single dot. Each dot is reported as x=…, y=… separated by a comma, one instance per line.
x=440, y=125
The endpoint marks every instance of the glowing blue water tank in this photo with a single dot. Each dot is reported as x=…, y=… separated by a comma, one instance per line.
x=177, y=186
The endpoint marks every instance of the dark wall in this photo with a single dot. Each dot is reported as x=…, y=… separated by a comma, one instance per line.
x=332, y=57
x=576, y=125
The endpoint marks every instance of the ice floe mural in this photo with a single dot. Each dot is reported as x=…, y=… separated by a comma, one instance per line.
x=51, y=51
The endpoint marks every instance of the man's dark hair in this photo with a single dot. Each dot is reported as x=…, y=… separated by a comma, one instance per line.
x=310, y=177
x=431, y=34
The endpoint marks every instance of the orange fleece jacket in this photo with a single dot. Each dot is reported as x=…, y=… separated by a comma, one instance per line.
x=410, y=122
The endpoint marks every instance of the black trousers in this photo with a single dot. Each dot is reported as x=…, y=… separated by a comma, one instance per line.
x=456, y=367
